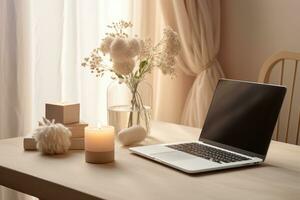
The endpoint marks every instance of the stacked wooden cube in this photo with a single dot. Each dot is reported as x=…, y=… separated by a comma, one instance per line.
x=69, y=116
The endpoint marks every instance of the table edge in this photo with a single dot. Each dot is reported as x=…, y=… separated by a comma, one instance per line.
x=38, y=187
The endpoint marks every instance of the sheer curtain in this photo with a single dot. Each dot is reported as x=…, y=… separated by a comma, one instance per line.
x=65, y=32
x=15, y=75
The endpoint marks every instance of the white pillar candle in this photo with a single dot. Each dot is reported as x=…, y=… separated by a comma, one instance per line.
x=99, y=144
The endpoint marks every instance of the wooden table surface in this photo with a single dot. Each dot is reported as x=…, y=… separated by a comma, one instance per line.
x=132, y=177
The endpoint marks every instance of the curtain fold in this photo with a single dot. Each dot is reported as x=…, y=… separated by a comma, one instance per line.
x=15, y=76
x=15, y=71
x=198, y=25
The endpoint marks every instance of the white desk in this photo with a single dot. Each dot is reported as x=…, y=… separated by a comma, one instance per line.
x=132, y=177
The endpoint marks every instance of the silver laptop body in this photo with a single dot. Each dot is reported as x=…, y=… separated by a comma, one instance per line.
x=237, y=130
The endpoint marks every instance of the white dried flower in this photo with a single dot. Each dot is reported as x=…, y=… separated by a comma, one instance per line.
x=171, y=41
x=125, y=51
x=164, y=53
x=134, y=47
x=165, y=63
x=119, y=50
x=124, y=67
x=146, y=47
x=52, y=138
x=105, y=45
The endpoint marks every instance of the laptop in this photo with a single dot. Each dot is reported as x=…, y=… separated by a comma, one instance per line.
x=237, y=131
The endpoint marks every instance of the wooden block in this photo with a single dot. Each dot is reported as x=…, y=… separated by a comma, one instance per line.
x=77, y=144
x=77, y=129
x=63, y=112
x=29, y=144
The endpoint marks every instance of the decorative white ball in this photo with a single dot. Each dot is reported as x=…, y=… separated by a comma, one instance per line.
x=124, y=67
x=52, y=138
x=131, y=135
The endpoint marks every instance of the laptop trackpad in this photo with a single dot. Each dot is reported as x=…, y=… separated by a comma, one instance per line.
x=173, y=156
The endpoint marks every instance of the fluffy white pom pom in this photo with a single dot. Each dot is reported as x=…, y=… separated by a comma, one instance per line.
x=119, y=50
x=134, y=47
x=105, y=45
x=124, y=67
x=52, y=138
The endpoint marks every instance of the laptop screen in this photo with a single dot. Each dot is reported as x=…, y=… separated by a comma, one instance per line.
x=243, y=115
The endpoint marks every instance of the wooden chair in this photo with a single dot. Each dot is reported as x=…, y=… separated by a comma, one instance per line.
x=285, y=61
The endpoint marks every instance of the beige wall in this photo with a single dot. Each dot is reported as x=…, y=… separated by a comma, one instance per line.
x=252, y=30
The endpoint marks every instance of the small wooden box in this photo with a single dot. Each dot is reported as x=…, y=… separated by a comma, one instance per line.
x=77, y=129
x=63, y=113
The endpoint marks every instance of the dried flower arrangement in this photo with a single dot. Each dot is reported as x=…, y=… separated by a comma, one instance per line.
x=132, y=58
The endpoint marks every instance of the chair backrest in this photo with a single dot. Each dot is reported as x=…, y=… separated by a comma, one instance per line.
x=281, y=68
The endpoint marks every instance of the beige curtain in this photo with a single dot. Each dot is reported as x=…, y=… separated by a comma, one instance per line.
x=168, y=94
x=15, y=75
x=198, y=25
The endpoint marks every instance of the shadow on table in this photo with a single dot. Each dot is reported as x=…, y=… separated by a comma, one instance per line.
x=62, y=156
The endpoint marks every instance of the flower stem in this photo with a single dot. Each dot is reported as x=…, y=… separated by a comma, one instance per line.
x=137, y=105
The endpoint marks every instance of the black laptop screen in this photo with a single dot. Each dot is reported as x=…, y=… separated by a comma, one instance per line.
x=243, y=115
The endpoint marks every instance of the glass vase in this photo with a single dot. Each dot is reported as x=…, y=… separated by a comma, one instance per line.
x=128, y=106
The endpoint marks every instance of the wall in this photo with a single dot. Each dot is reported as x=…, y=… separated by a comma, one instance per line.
x=252, y=30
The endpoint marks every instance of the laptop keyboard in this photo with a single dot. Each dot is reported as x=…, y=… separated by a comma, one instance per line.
x=207, y=152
